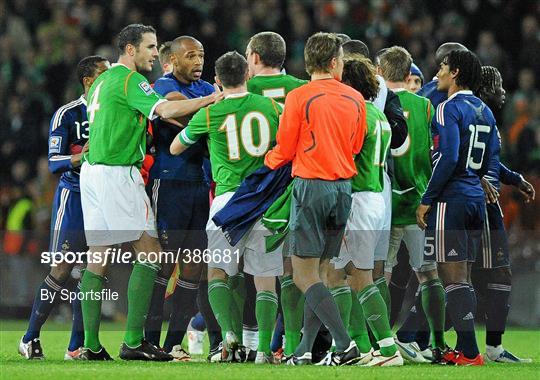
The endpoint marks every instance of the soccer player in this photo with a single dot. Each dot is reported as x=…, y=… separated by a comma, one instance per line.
x=415, y=81
x=265, y=55
x=323, y=126
x=412, y=171
x=115, y=206
x=68, y=140
x=179, y=179
x=239, y=130
x=452, y=208
x=491, y=270
x=430, y=89
x=165, y=58
x=365, y=225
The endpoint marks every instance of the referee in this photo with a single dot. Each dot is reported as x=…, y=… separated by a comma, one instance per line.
x=322, y=128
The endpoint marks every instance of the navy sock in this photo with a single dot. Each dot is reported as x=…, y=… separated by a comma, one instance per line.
x=497, y=308
x=154, y=318
x=461, y=307
x=77, y=328
x=415, y=320
x=42, y=306
x=184, y=302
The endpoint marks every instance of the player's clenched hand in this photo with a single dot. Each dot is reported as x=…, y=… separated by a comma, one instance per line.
x=492, y=195
x=421, y=214
x=527, y=190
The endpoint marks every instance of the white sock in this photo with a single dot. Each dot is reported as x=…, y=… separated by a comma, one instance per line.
x=494, y=351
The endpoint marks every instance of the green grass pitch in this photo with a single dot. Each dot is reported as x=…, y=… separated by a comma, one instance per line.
x=524, y=343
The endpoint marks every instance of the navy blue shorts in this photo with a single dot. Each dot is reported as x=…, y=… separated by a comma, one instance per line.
x=182, y=210
x=494, y=252
x=454, y=231
x=67, y=225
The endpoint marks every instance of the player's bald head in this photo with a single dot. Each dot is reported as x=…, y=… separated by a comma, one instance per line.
x=446, y=48
x=183, y=43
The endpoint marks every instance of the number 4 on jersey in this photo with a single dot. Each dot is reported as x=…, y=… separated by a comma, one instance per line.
x=94, y=105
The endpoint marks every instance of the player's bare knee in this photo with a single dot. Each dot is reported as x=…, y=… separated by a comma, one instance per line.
x=191, y=272
x=166, y=270
x=265, y=284
x=216, y=274
x=451, y=273
x=61, y=272
x=146, y=244
x=378, y=270
x=336, y=277
x=501, y=275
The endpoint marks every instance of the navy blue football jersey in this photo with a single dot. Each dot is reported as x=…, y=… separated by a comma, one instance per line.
x=429, y=90
x=464, y=141
x=188, y=165
x=68, y=132
x=497, y=172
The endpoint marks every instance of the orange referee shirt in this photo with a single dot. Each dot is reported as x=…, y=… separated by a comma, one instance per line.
x=322, y=127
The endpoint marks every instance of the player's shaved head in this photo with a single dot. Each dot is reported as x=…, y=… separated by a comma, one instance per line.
x=270, y=47
x=353, y=47
x=184, y=42
x=445, y=49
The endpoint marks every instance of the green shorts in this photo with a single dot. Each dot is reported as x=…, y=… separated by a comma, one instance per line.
x=319, y=213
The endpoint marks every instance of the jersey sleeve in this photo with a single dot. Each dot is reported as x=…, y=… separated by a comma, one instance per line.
x=198, y=126
x=447, y=154
x=508, y=176
x=394, y=113
x=59, y=154
x=163, y=86
x=141, y=96
x=287, y=135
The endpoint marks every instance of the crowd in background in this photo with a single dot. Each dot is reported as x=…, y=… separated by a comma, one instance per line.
x=42, y=41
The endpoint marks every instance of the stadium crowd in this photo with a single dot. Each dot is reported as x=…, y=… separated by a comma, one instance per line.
x=39, y=53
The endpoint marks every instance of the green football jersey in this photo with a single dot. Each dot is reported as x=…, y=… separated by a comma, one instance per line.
x=412, y=161
x=240, y=130
x=275, y=86
x=371, y=159
x=120, y=101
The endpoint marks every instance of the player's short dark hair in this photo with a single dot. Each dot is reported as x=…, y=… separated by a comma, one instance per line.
x=132, y=35
x=319, y=50
x=470, y=69
x=355, y=47
x=271, y=48
x=231, y=69
x=165, y=52
x=360, y=74
x=395, y=64
x=87, y=66
x=444, y=49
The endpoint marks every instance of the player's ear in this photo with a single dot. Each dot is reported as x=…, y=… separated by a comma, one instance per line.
x=333, y=63
x=454, y=73
x=216, y=79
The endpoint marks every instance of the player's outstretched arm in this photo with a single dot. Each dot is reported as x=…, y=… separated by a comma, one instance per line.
x=177, y=147
x=178, y=108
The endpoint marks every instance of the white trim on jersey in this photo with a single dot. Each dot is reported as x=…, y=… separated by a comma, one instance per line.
x=486, y=243
x=439, y=231
x=155, y=195
x=57, y=119
x=58, y=157
x=59, y=217
x=440, y=112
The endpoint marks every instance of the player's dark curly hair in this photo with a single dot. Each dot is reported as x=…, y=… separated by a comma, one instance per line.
x=231, y=69
x=132, y=35
x=88, y=66
x=491, y=81
x=271, y=48
x=470, y=69
x=359, y=73
x=319, y=50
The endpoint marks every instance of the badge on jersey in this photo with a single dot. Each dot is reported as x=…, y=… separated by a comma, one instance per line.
x=55, y=142
x=147, y=89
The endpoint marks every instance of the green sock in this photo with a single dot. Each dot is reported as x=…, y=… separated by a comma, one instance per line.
x=381, y=284
x=433, y=303
x=237, y=284
x=220, y=298
x=140, y=289
x=376, y=316
x=292, y=305
x=342, y=296
x=266, y=310
x=91, y=309
x=357, y=326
